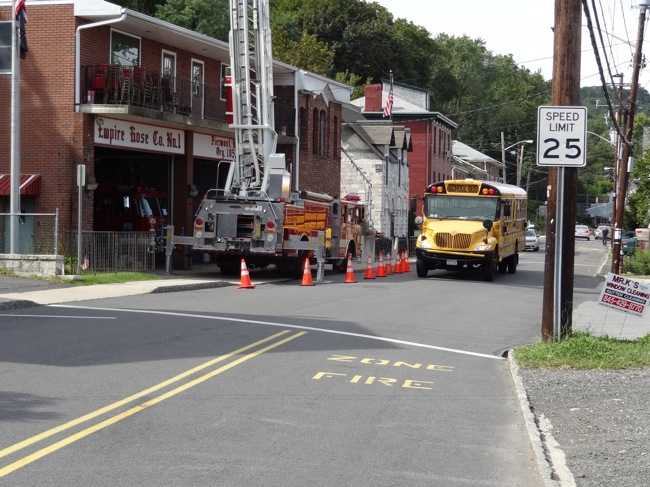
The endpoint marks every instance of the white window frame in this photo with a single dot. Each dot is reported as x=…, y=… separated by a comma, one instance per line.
x=8, y=70
x=202, y=63
x=222, y=78
x=162, y=65
x=110, y=45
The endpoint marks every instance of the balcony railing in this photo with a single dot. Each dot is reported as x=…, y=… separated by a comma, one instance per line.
x=135, y=86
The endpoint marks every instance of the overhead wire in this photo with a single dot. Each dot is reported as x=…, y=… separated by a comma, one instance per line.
x=627, y=33
x=602, y=41
x=609, y=38
x=594, y=45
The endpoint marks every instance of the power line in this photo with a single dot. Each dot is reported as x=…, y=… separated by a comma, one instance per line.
x=602, y=41
x=627, y=34
x=594, y=45
x=609, y=39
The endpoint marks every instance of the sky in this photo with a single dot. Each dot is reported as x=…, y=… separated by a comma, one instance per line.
x=523, y=28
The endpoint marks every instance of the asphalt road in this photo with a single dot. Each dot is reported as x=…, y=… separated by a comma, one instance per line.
x=383, y=383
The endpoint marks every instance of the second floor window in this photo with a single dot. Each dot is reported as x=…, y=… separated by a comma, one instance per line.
x=5, y=47
x=125, y=49
x=322, y=134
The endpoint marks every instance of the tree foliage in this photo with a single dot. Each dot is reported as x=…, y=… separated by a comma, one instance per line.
x=210, y=17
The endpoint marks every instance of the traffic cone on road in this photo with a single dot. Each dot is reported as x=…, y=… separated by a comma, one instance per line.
x=381, y=270
x=403, y=262
x=407, y=266
x=350, y=277
x=245, y=279
x=399, y=267
x=389, y=265
x=370, y=272
x=306, y=275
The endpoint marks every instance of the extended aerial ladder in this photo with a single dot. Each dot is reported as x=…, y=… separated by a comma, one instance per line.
x=252, y=91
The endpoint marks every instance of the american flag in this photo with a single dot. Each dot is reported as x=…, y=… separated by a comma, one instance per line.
x=21, y=18
x=388, y=109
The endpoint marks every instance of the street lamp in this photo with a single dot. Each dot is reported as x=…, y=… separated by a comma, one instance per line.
x=601, y=137
x=520, y=161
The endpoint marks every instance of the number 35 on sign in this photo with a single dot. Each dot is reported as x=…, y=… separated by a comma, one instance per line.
x=562, y=136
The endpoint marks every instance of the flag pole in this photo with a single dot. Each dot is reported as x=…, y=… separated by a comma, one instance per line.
x=14, y=208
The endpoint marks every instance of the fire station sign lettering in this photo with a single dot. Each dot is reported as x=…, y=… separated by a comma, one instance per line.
x=214, y=147
x=131, y=135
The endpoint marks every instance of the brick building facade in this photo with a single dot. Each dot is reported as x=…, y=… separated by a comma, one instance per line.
x=161, y=88
x=431, y=134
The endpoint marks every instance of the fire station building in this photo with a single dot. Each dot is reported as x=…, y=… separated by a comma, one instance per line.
x=142, y=103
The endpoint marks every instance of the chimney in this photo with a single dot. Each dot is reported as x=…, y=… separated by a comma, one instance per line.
x=373, y=98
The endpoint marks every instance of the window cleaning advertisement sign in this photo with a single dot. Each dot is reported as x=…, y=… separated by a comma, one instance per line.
x=625, y=295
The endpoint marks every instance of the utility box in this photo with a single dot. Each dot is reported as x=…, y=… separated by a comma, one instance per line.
x=642, y=237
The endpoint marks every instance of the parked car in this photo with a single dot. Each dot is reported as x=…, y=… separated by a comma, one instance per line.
x=583, y=231
x=628, y=242
x=598, y=234
x=532, y=242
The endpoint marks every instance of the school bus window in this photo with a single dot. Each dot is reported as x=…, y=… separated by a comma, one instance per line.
x=460, y=207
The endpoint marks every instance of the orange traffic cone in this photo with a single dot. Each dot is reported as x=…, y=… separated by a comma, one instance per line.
x=398, y=264
x=306, y=275
x=389, y=265
x=381, y=270
x=350, y=278
x=245, y=280
x=402, y=263
x=370, y=272
x=407, y=266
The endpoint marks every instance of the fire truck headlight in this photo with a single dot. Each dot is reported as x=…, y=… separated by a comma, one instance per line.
x=270, y=237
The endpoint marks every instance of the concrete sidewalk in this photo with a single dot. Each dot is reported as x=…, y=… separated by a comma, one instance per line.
x=101, y=291
x=601, y=320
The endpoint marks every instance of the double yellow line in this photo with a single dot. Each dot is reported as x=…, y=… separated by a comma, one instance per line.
x=26, y=460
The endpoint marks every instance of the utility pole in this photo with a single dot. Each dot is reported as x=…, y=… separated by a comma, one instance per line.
x=623, y=166
x=562, y=180
x=503, y=156
x=15, y=170
x=520, y=162
x=620, y=112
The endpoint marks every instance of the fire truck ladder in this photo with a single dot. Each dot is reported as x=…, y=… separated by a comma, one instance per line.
x=252, y=85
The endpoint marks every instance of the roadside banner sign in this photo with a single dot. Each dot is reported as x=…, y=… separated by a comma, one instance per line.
x=625, y=295
x=562, y=136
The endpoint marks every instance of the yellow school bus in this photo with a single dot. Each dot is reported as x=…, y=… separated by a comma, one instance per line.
x=472, y=225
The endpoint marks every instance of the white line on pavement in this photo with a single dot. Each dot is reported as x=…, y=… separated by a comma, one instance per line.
x=60, y=316
x=284, y=325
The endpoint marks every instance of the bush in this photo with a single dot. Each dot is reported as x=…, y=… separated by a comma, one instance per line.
x=638, y=263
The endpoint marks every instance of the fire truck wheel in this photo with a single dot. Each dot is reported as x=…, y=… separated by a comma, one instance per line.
x=229, y=267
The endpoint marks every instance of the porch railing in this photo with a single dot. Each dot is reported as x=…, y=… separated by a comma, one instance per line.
x=107, y=84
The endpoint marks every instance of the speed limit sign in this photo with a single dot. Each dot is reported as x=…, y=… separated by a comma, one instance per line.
x=562, y=136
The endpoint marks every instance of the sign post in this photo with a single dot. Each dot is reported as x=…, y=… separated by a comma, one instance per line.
x=81, y=183
x=561, y=143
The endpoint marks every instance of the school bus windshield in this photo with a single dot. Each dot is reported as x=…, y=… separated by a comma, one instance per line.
x=460, y=207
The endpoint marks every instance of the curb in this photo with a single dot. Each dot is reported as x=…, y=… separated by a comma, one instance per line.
x=551, y=460
x=190, y=287
x=17, y=304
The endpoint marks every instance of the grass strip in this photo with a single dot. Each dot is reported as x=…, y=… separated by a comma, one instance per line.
x=112, y=278
x=584, y=351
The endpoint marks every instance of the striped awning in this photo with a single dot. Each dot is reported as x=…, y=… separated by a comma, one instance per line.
x=30, y=185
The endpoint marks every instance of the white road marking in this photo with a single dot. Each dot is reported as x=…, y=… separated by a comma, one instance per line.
x=537, y=262
x=285, y=325
x=60, y=316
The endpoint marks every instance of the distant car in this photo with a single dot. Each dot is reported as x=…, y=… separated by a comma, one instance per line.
x=598, y=234
x=532, y=242
x=583, y=231
x=628, y=242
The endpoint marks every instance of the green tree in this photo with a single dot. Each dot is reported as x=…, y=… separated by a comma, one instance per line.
x=308, y=53
x=145, y=6
x=210, y=17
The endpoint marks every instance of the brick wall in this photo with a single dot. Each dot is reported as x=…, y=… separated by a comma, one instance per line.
x=320, y=172
x=51, y=135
